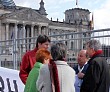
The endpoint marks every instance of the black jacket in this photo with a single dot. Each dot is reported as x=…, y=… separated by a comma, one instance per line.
x=97, y=77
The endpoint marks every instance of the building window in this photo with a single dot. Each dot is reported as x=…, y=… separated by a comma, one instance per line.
x=71, y=45
x=66, y=43
x=72, y=36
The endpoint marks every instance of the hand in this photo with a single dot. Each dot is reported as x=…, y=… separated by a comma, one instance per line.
x=80, y=75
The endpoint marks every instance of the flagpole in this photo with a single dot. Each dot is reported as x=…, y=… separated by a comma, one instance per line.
x=77, y=3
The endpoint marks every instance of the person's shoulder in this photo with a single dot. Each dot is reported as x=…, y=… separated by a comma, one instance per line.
x=98, y=59
x=34, y=50
x=75, y=67
x=31, y=51
x=38, y=65
x=70, y=69
x=44, y=67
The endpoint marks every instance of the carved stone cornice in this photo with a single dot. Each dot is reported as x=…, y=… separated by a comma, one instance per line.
x=26, y=15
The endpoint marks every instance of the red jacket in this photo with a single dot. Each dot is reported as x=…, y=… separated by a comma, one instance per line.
x=27, y=63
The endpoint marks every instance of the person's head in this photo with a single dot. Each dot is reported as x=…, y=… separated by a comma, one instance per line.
x=43, y=56
x=58, y=51
x=82, y=57
x=93, y=46
x=43, y=41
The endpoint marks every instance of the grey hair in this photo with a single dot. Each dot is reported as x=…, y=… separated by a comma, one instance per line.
x=58, y=51
x=95, y=44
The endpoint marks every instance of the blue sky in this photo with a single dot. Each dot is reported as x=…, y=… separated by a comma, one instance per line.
x=56, y=9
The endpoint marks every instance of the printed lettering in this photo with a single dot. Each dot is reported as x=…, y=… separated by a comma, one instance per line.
x=9, y=87
x=2, y=83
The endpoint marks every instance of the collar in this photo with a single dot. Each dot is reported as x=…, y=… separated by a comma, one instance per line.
x=80, y=69
x=38, y=64
x=59, y=62
x=97, y=53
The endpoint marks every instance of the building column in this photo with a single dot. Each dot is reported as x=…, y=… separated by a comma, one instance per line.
x=7, y=31
x=24, y=31
x=15, y=46
x=0, y=31
x=32, y=30
x=28, y=31
x=39, y=29
x=16, y=31
x=69, y=37
x=32, y=35
x=46, y=30
x=24, y=36
x=16, y=36
x=43, y=30
x=0, y=39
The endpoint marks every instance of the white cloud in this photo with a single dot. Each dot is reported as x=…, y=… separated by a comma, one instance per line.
x=54, y=16
x=55, y=8
x=101, y=16
x=102, y=21
x=65, y=1
x=28, y=3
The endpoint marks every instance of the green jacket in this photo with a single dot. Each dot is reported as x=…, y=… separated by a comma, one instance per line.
x=32, y=78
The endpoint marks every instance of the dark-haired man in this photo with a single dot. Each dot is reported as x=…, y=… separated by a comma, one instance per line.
x=29, y=59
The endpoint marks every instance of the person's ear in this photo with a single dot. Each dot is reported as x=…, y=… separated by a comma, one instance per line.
x=39, y=44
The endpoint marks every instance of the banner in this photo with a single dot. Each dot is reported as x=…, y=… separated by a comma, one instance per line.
x=10, y=81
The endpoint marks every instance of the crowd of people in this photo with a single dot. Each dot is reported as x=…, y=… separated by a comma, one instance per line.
x=46, y=70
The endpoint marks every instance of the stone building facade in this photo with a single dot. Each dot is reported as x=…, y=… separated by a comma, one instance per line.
x=21, y=22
